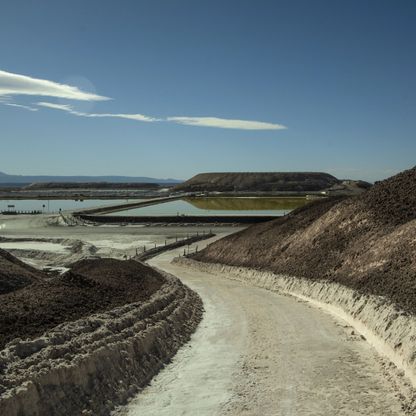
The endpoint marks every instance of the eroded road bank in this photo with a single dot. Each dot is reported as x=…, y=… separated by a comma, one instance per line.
x=258, y=352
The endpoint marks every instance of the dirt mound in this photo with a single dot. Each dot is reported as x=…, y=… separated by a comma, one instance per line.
x=14, y=274
x=365, y=242
x=258, y=181
x=109, y=273
x=90, y=365
x=90, y=286
x=393, y=201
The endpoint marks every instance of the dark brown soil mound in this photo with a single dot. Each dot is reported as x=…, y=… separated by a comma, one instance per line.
x=365, y=242
x=393, y=201
x=90, y=286
x=258, y=181
x=14, y=274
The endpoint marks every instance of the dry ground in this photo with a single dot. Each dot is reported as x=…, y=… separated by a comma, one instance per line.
x=257, y=352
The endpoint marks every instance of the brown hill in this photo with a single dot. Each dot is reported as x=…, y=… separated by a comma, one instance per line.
x=366, y=242
x=14, y=274
x=258, y=181
x=90, y=286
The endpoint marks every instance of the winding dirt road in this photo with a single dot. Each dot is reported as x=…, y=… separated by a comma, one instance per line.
x=260, y=353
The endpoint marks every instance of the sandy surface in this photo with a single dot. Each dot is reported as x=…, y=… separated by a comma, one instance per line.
x=113, y=241
x=260, y=353
x=255, y=352
x=37, y=246
x=214, y=350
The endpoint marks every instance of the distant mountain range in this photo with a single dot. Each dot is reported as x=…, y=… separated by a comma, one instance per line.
x=26, y=179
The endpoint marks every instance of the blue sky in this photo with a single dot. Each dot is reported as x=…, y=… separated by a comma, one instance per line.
x=324, y=85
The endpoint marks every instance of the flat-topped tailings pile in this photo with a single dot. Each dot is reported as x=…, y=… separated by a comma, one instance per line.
x=90, y=338
x=366, y=242
x=258, y=182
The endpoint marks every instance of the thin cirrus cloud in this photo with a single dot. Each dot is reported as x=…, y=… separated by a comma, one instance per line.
x=69, y=109
x=190, y=121
x=26, y=107
x=226, y=123
x=15, y=84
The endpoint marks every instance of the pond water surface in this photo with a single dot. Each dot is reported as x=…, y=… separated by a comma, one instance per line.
x=217, y=206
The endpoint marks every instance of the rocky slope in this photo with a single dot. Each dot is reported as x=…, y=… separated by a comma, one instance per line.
x=366, y=243
x=258, y=182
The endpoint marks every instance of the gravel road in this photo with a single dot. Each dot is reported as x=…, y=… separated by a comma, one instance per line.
x=261, y=353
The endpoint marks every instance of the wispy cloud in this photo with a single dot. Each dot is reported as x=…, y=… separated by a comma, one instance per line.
x=225, y=123
x=26, y=107
x=64, y=107
x=137, y=117
x=191, y=121
x=15, y=84
x=70, y=109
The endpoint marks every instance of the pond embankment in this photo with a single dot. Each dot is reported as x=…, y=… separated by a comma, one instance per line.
x=124, y=206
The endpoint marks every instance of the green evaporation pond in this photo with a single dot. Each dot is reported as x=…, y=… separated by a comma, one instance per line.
x=218, y=206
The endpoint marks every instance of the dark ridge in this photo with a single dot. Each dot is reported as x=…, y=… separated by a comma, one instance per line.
x=19, y=179
x=90, y=185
